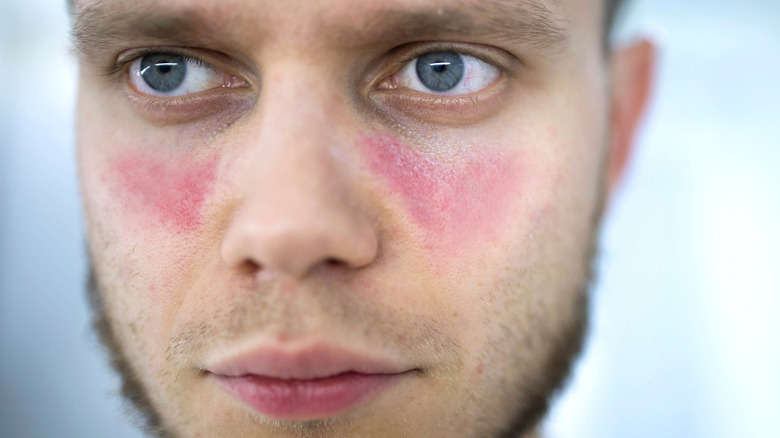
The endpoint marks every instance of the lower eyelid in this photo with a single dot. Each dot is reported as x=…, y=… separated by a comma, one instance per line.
x=418, y=107
x=180, y=109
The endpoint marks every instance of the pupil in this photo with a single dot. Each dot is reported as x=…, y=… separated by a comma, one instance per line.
x=164, y=69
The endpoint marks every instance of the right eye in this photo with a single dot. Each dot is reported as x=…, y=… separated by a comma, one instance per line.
x=446, y=73
x=170, y=74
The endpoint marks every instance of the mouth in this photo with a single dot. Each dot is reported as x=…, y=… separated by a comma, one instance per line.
x=305, y=382
x=310, y=399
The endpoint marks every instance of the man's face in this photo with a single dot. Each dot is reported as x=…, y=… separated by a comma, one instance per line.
x=342, y=218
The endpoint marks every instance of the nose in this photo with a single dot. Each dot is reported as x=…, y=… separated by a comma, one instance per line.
x=300, y=208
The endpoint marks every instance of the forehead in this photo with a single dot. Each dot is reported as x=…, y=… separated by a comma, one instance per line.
x=330, y=4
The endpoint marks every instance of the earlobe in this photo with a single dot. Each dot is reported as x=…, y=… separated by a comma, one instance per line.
x=633, y=70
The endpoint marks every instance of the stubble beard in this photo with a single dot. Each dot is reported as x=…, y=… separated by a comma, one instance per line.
x=565, y=346
x=566, y=343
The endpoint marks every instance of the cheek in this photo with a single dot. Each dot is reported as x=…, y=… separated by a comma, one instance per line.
x=169, y=192
x=456, y=203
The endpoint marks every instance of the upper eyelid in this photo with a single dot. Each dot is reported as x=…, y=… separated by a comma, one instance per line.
x=189, y=58
x=490, y=55
x=408, y=52
x=133, y=54
x=211, y=59
x=126, y=59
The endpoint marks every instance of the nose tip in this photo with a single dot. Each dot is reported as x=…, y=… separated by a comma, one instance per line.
x=294, y=247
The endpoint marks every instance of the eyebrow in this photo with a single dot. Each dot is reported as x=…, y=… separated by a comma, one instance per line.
x=528, y=23
x=104, y=25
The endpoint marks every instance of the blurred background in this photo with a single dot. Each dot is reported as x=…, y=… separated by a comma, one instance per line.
x=685, y=338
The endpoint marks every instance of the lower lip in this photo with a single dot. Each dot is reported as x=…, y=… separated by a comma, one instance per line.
x=305, y=399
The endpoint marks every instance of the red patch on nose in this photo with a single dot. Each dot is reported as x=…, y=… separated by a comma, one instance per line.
x=455, y=201
x=171, y=191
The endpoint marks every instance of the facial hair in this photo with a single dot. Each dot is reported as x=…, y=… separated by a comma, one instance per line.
x=565, y=347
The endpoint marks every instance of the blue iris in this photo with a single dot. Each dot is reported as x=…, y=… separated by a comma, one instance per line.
x=163, y=72
x=440, y=71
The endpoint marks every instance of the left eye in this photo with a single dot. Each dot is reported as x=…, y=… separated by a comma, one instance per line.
x=166, y=74
x=446, y=73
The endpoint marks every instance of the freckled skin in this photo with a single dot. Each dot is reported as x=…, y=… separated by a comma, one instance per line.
x=455, y=202
x=172, y=192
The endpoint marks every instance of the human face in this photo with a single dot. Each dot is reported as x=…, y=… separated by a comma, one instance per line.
x=297, y=231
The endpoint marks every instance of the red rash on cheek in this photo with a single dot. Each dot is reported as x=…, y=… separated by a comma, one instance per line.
x=455, y=202
x=171, y=191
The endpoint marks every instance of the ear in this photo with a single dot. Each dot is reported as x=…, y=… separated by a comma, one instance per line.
x=633, y=68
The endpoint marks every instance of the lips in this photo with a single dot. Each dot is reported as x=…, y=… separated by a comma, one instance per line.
x=305, y=382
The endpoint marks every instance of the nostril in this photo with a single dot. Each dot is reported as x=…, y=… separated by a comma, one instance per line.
x=335, y=263
x=249, y=267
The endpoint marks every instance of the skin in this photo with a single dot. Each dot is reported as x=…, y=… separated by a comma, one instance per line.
x=311, y=198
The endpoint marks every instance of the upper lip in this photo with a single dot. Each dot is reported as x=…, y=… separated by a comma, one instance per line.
x=301, y=361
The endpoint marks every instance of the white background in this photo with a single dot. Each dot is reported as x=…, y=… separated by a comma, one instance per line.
x=685, y=337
